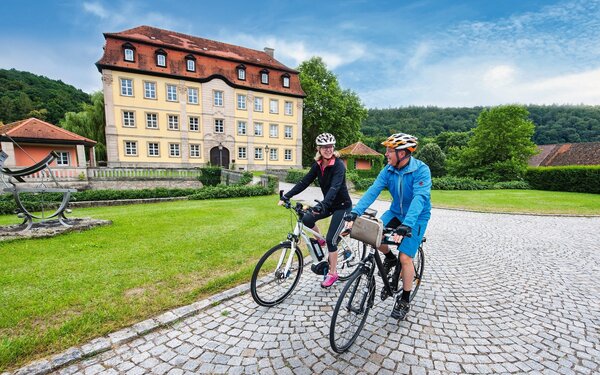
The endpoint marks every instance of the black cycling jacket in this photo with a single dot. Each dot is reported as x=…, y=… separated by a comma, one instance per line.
x=332, y=182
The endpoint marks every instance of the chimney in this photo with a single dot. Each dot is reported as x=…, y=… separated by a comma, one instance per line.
x=270, y=51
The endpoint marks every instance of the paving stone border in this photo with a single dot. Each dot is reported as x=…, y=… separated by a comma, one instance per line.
x=50, y=228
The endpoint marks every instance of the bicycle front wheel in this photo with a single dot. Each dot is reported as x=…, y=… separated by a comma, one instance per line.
x=419, y=263
x=350, y=253
x=272, y=280
x=351, y=310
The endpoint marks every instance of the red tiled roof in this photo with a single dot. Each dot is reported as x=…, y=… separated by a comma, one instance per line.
x=358, y=148
x=34, y=128
x=212, y=59
x=587, y=153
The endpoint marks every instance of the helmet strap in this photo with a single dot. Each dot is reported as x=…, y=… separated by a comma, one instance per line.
x=400, y=160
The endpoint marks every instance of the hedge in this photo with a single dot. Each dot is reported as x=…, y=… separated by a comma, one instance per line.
x=581, y=179
x=231, y=191
x=295, y=175
x=211, y=176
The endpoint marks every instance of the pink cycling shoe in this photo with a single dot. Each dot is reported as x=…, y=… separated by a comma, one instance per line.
x=329, y=280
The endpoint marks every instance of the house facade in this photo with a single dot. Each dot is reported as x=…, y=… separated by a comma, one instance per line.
x=359, y=156
x=28, y=141
x=174, y=100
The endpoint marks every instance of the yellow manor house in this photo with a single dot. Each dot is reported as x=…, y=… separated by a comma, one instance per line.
x=178, y=101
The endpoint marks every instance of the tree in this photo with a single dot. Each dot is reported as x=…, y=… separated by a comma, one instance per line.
x=500, y=146
x=432, y=155
x=89, y=123
x=327, y=108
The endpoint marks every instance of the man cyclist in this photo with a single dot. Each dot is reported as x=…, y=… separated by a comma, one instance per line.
x=409, y=183
x=329, y=169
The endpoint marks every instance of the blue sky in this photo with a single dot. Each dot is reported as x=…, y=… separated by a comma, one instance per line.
x=391, y=53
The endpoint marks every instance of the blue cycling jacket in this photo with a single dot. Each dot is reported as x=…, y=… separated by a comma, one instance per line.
x=410, y=188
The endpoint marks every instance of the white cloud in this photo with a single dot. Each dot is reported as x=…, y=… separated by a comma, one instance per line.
x=293, y=52
x=499, y=76
x=96, y=9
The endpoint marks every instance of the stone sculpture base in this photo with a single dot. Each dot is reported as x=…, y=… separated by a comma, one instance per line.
x=48, y=228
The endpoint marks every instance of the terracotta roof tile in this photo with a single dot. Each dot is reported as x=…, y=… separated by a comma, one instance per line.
x=587, y=153
x=34, y=128
x=212, y=59
x=358, y=148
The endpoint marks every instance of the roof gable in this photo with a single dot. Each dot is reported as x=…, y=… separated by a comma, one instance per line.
x=34, y=128
x=358, y=148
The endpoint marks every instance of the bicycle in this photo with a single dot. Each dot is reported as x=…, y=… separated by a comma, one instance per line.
x=278, y=271
x=358, y=295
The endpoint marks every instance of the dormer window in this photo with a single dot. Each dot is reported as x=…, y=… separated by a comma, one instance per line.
x=285, y=80
x=264, y=76
x=241, y=72
x=128, y=52
x=190, y=63
x=161, y=58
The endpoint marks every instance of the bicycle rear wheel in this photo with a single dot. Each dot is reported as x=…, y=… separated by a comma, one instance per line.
x=351, y=310
x=350, y=253
x=419, y=264
x=270, y=283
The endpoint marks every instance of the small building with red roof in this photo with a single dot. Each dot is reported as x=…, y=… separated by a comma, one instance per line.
x=361, y=157
x=28, y=141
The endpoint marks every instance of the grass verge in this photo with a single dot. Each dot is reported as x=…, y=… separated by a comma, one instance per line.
x=63, y=291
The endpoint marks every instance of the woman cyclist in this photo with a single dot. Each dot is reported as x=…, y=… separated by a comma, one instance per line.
x=331, y=172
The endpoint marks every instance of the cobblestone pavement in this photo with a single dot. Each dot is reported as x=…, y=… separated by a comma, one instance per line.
x=501, y=294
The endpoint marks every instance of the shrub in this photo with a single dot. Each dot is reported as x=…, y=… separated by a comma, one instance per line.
x=295, y=175
x=459, y=183
x=432, y=155
x=231, y=191
x=210, y=176
x=366, y=173
x=246, y=178
x=515, y=185
x=582, y=179
x=363, y=183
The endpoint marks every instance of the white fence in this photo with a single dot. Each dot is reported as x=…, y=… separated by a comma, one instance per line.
x=86, y=174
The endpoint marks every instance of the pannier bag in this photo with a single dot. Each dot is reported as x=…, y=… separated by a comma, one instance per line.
x=368, y=230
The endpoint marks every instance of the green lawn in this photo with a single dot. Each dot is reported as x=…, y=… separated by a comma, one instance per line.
x=62, y=291
x=522, y=201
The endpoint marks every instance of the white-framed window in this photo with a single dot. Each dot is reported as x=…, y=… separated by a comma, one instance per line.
x=219, y=127
x=287, y=155
x=274, y=106
x=241, y=71
x=126, y=87
x=264, y=77
x=241, y=101
x=242, y=153
x=174, y=150
x=149, y=90
x=192, y=95
x=173, y=122
x=287, y=132
x=152, y=120
x=258, y=129
x=273, y=130
x=131, y=148
x=190, y=65
x=128, y=54
x=128, y=119
x=172, y=93
x=258, y=153
x=194, y=151
x=218, y=98
x=194, y=123
x=153, y=149
x=288, y=108
x=286, y=81
x=161, y=60
x=273, y=154
x=63, y=158
x=258, y=104
x=242, y=128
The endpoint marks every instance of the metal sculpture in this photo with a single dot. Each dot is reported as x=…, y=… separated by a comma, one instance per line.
x=15, y=184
